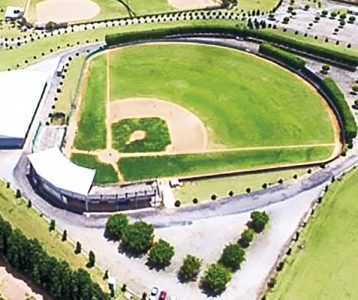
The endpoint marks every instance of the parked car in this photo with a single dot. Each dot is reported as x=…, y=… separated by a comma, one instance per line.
x=163, y=295
x=173, y=298
x=154, y=293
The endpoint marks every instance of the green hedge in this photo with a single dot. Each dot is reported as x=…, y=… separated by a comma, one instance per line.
x=288, y=58
x=329, y=86
x=118, y=38
x=303, y=46
x=268, y=36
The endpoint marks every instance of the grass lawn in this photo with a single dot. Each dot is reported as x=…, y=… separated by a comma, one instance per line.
x=138, y=168
x=262, y=5
x=92, y=131
x=33, y=225
x=111, y=9
x=203, y=189
x=231, y=96
x=319, y=42
x=156, y=138
x=104, y=173
x=327, y=266
x=16, y=58
x=72, y=82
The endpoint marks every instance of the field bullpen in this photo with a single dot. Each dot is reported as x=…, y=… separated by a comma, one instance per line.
x=246, y=113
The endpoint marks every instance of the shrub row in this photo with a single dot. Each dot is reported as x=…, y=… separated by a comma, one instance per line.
x=268, y=36
x=330, y=87
x=219, y=274
x=137, y=239
x=53, y=276
x=288, y=58
x=303, y=46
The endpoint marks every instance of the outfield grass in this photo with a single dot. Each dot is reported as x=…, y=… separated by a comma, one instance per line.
x=156, y=138
x=139, y=168
x=92, y=131
x=326, y=267
x=231, y=96
x=203, y=189
x=105, y=173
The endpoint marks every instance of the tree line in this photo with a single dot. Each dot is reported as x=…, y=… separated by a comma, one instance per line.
x=52, y=275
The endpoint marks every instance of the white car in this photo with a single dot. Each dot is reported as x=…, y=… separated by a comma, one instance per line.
x=173, y=298
x=154, y=293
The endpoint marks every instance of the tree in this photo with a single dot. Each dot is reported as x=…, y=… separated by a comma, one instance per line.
x=91, y=259
x=78, y=248
x=161, y=254
x=64, y=235
x=137, y=238
x=325, y=69
x=115, y=226
x=246, y=238
x=52, y=225
x=355, y=105
x=18, y=194
x=5, y=233
x=216, y=277
x=232, y=257
x=259, y=221
x=355, y=88
x=190, y=268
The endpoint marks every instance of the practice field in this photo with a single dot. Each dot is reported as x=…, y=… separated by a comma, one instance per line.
x=254, y=114
x=326, y=266
x=64, y=10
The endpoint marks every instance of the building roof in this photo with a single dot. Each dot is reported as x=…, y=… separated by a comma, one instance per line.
x=20, y=95
x=13, y=12
x=53, y=166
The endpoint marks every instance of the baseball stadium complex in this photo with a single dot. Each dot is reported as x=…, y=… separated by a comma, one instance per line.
x=178, y=113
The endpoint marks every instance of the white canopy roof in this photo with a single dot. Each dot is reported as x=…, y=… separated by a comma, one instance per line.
x=20, y=93
x=53, y=166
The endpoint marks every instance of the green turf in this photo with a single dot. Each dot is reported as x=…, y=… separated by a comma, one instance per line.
x=105, y=173
x=92, y=132
x=138, y=168
x=111, y=9
x=157, y=136
x=262, y=5
x=33, y=51
x=327, y=266
x=33, y=225
x=203, y=189
x=227, y=90
x=67, y=99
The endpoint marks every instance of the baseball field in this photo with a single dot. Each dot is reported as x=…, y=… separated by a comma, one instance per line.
x=225, y=111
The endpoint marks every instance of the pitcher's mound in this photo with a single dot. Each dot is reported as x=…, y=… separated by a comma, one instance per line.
x=64, y=11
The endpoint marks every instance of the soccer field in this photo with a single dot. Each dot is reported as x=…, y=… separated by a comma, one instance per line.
x=327, y=266
x=242, y=101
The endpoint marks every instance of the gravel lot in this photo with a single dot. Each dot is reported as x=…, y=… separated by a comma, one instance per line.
x=206, y=239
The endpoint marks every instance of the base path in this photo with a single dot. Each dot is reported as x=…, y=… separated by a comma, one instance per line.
x=187, y=132
x=62, y=11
